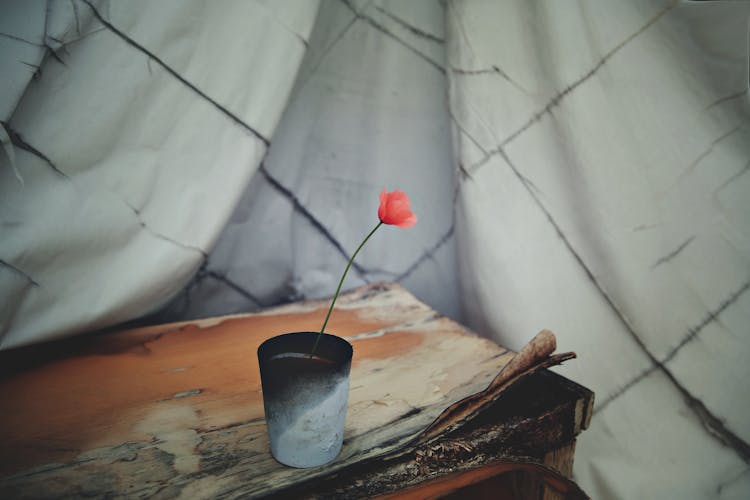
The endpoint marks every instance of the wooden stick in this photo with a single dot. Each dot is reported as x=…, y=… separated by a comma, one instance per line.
x=535, y=356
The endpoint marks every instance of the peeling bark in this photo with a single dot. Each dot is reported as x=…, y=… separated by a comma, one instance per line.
x=534, y=356
x=178, y=438
x=488, y=432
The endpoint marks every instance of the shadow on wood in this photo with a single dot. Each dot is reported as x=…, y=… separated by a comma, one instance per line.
x=176, y=409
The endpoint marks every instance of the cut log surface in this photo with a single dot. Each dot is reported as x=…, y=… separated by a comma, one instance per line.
x=176, y=410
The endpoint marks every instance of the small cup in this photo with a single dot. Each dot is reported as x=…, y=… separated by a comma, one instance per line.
x=305, y=397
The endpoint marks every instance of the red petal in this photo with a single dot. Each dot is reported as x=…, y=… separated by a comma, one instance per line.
x=382, y=209
x=408, y=222
x=394, y=209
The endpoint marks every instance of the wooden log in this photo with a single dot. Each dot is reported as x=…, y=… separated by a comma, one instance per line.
x=517, y=432
x=535, y=356
x=456, y=484
x=175, y=410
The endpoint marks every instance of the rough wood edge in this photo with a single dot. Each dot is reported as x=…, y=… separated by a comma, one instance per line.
x=458, y=441
x=558, y=486
x=535, y=356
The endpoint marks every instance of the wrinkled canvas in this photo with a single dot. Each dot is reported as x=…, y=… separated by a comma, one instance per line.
x=578, y=166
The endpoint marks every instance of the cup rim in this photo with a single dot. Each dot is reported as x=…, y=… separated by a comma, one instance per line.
x=331, y=347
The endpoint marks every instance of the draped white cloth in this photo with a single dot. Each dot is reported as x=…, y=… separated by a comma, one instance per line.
x=580, y=166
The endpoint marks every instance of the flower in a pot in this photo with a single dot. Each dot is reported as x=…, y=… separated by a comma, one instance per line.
x=305, y=375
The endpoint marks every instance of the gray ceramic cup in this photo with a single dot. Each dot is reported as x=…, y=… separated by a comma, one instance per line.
x=305, y=397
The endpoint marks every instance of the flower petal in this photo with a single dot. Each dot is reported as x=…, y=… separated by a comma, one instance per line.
x=394, y=209
x=408, y=222
x=383, y=208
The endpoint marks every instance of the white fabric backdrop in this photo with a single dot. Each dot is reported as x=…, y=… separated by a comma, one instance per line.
x=581, y=166
x=605, y=148
x=132, y=146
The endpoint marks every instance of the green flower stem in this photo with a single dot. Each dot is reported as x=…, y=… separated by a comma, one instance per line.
x=338, y=289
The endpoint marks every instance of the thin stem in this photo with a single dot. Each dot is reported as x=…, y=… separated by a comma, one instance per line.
x=341, y=282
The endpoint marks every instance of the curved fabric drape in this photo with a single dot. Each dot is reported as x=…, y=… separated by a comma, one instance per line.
x=605, y=150
x=579, y=166
x=130, y=148
x=367, y=112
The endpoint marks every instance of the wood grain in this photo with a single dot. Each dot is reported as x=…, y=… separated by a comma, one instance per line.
x=176, y=410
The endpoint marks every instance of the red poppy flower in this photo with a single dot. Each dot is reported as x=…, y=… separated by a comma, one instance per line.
x=394, y=209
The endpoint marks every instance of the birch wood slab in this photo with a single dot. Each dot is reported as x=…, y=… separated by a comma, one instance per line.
x=176, y=410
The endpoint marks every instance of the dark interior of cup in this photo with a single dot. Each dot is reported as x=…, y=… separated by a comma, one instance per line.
x=331, y=348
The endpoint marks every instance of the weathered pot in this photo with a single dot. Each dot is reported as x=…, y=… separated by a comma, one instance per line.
x=305, y=397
